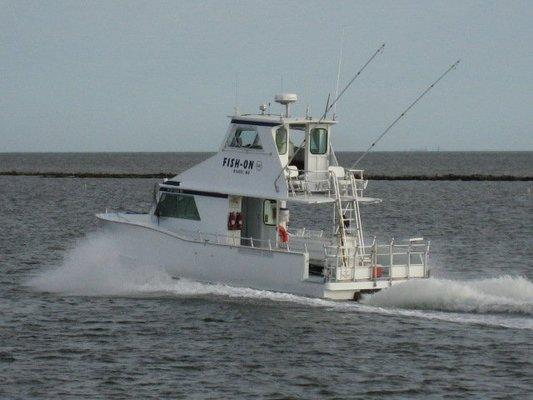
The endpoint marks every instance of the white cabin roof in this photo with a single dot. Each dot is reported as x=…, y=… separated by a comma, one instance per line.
x=274, y=120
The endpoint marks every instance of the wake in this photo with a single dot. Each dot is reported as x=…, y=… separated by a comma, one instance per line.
x=95, y=267
x=505, y=294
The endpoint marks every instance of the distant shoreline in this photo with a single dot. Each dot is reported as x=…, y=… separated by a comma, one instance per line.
x=436, y=177
x=214, y=152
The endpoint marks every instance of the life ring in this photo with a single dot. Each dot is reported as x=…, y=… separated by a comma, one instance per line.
x=377, y=271
x=283, y=234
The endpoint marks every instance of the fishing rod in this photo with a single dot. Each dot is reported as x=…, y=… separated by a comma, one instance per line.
x=404, y=112
x=327, y=103
x=378, y=51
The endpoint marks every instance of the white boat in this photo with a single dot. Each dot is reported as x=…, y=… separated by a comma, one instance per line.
x=226, y=220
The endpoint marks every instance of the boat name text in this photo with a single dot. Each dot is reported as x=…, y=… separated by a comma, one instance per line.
x=241, y=166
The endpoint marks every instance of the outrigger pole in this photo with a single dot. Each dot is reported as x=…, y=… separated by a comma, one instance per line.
x=350, y=83
x=403, y=113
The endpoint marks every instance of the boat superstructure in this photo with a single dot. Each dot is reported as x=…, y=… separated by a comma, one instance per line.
x=226, y=220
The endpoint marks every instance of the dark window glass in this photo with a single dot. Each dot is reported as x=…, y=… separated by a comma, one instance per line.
x=177, y=206
x=270, y=212
x=318, y=141
x=281, y=140
x=245, y=138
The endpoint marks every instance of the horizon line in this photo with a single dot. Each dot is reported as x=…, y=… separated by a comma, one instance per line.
x=216, y=151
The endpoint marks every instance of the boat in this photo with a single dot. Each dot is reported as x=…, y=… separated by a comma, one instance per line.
x=227, y=219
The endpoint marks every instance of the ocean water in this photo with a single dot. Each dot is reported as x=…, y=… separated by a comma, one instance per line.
x=77, y=320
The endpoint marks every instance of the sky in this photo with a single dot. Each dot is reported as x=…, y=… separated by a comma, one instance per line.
x=162, y=76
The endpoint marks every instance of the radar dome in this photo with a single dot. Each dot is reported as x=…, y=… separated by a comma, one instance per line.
x=286, y=99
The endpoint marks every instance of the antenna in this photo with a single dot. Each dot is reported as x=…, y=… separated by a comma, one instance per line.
x=404, y=112
x=351, y=81
x=338, y=71
x=236, y=107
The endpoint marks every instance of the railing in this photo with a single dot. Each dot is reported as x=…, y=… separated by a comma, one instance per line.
x=250, y=242
x=306, y=183
x=309, y=233
x=359, y=181
x=377, y=262
x=229, y=239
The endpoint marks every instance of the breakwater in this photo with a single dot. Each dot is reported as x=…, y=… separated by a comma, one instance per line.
x=161, y=175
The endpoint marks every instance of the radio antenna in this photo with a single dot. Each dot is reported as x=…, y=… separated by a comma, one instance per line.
x=236, y=107
x=351, y=81
x=404, y=112
x=338, y=71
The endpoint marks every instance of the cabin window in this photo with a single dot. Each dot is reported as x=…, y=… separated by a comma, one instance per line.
x=270, y=208
x=245, y=138
x=177, y=206
x=281, y=140
x=318, y=141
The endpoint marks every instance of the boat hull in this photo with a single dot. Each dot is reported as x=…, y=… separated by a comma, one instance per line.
x=241, y=266
x=140, y=239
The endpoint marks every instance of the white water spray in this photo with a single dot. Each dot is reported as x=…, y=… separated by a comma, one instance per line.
x=95, y=267
x=504, y=294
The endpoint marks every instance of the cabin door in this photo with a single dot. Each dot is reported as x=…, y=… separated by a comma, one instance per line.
x=317, y=157
x=259, y=221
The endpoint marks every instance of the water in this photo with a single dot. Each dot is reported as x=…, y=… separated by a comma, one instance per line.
x=79, y=321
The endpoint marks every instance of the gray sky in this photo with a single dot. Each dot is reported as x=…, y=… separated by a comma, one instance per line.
x=160, y=76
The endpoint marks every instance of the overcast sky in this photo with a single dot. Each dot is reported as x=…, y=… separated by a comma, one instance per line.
x=160, y=76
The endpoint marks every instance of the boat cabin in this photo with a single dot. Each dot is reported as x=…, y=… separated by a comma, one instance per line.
x=241, y=193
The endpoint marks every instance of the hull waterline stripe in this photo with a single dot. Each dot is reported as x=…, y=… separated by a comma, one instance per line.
x=171, y=183
x=208, y=194
x=194, y=192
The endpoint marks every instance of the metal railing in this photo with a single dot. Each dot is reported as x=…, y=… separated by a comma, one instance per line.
x=309, y=233
x=309, y=183
x=228, y=239
x=376, y=262
x=250, y=242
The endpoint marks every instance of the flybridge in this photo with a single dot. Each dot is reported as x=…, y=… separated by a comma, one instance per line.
x=261, y=152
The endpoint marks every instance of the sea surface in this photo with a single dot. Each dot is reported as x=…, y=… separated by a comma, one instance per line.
x=78, y=321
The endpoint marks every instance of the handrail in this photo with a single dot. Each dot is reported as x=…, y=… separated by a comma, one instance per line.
x=411, y=255
x=220, y=238
x=265, y=244
x=309, y=182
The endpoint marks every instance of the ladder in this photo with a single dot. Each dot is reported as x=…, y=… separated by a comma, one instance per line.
x=341, y=226
x=357, y=214
x=348, y=218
